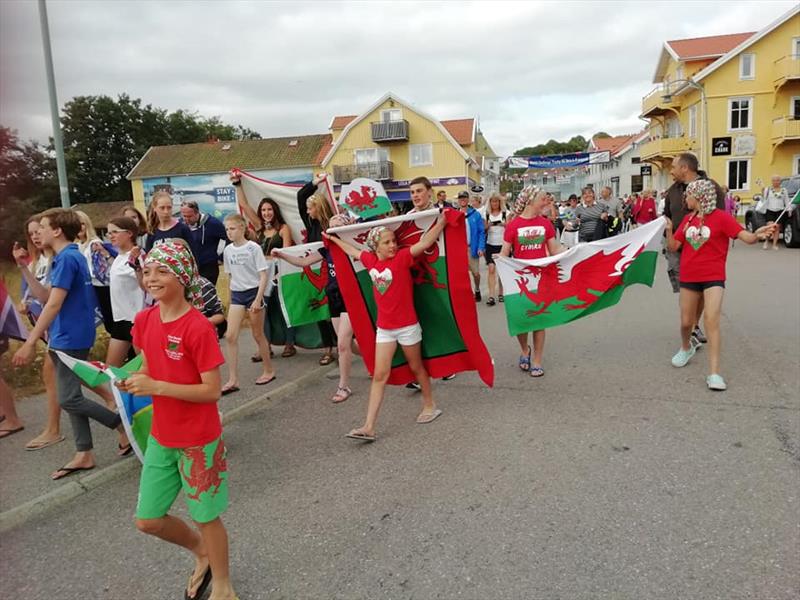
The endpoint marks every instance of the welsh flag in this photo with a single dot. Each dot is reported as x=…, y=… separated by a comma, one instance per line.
x=285, y=195
x=302, y=289
x=136, y=411
x=551, y=291
x=364, y=198
x=451, y=340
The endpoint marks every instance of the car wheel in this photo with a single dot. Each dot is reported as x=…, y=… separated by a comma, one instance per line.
x=748, y=223
x=790, y=236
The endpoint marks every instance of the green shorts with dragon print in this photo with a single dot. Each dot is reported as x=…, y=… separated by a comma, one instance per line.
x=201, y=471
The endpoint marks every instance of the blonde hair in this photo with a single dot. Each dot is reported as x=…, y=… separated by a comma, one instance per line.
x=501, y=205
x=239, y=220
x=324, y=211
x=152, y=217
x=91, y=234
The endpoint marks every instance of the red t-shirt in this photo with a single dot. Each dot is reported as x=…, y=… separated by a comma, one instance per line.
x=528, y=237
x=178, y=352
x=705, y=245
x=393, y=288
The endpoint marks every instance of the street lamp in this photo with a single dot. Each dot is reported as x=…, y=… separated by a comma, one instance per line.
x=667, y=97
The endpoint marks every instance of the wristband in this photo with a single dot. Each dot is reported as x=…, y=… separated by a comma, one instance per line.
x=236, y=183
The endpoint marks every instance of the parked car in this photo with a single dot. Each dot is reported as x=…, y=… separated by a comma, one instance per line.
x=790, y=221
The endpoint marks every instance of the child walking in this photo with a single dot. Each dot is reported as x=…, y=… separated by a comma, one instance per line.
x=531, y=235
x=180, y=370
x=247, y=268
x=704, y=235
x=390, y=271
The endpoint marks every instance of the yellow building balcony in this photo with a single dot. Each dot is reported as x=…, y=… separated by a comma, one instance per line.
x=653, y=104
x=784, y=129
x=664, y=147
x=786, y=69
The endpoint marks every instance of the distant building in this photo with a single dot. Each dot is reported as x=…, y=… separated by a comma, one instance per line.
x=623, y=173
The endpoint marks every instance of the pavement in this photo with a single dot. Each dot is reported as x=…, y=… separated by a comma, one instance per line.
x=614, y=476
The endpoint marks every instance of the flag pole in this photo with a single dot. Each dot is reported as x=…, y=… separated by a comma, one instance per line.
x=792, y=202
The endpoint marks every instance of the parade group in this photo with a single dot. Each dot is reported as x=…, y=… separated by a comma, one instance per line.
x=153, y=287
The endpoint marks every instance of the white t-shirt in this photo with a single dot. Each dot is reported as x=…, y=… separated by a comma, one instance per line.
x=127, y=298
x=496, y=229
x=243, y=264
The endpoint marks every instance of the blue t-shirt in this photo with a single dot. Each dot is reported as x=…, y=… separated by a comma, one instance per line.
x=73, y=328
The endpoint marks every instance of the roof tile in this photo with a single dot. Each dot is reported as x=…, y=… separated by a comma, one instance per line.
x=461, y=130
x=715, y=45
x=342, y=121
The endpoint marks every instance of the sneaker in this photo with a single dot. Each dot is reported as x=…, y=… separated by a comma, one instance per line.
x=449, y=377
x=682, y=358
x=414, y=386
x=698, y=334
x=478, y=296
x=716, y=382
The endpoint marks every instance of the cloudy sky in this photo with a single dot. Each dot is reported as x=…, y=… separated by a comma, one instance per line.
x=530, y=71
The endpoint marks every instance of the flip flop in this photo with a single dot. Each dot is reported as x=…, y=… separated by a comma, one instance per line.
x=124, y=450
x=70, y=471
x=342, y=394
x=537, y=372
x=230, y=390
x=360, y=435
x=9, y=432
x=41, y=445
x=289, y=352
x=326, y=359
x=270, y=380
x=424, y=419
x=525, y=362
x=201, y=588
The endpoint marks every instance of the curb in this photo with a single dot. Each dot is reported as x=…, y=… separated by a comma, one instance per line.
x=19, y=515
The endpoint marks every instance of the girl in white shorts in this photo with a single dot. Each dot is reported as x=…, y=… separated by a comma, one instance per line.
x=390, y=271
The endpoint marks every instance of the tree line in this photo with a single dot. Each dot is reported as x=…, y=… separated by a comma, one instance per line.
x=104, y=137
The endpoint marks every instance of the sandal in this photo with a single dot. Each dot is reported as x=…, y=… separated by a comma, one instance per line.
x=490, y=301
x=202, y=585
x=500, y=298
x=288, y=351
x=537, y=372
x=326, y=359
x=525, y=362
x=342, y=394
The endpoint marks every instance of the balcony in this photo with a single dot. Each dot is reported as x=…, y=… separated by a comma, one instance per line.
x=653, y=104
x=785, y=129
x=786, y=69
x=379, y=171
x=390, y=131
x=664, y=147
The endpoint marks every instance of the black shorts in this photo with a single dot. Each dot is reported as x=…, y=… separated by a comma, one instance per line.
x=772, y=215
x=700, y=286
x=121, y=330
x=489, y=252
x=335, y=302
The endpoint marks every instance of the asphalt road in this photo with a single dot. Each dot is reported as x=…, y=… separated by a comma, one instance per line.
x=614, y=476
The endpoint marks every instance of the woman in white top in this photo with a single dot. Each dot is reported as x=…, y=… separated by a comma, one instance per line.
x=776, y=199
x=496, y=219
x=248, y=270
x=99, y=260
x=127, y=295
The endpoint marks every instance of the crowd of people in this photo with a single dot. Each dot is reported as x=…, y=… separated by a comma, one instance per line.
x=152, y=285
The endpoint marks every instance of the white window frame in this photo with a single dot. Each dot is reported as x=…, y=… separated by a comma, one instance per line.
x=749, y=163
x=412, y=163
x=752, y=75
x=791, y=113
x=796, y=164
x=382, y=154
x=390, y=111
x=795, y=52
x=692, y=121
x=750, y=113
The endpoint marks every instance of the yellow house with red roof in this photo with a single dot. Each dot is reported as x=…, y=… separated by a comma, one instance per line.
x=393, y=142
x=734, y=101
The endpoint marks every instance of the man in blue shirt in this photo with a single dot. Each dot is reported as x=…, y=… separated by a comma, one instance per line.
x=208, y=239
x=476, y=240
x=68, y=318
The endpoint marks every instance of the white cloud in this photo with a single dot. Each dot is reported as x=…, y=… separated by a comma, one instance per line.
x=530, y=70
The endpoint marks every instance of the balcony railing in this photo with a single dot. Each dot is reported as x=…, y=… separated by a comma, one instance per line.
x=653, y=104
x=378, y=171
x=671, y=146
x=390, y=131
x=785, y=128
x=786, y=68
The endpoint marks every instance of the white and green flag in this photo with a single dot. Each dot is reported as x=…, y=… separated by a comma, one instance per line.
x=302, y=289
x=552, y=291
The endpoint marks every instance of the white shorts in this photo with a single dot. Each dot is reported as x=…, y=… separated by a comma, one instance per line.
x=405, y=336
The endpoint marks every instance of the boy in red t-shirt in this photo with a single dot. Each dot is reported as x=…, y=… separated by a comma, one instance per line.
x=528, y=236
x=180, y=370
x=704, y=234
x=390, y=271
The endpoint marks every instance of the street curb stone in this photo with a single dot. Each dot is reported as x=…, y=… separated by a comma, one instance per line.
x=19, y=515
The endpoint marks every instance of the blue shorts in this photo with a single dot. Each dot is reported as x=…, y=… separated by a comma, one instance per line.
x=244, y=298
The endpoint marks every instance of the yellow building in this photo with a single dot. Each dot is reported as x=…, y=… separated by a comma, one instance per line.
x=394, y=142
x=734, y=101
